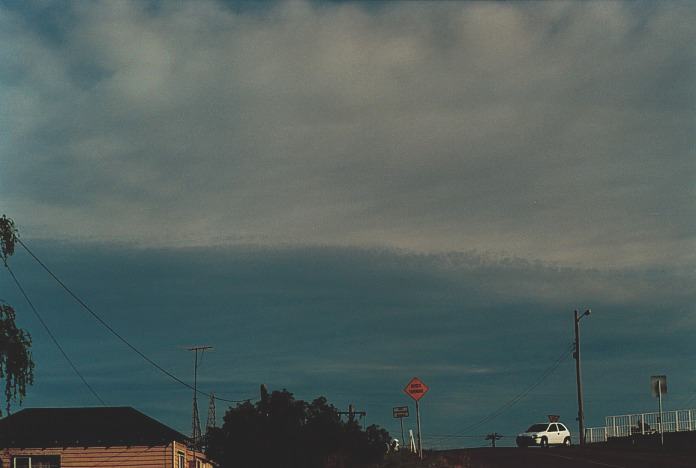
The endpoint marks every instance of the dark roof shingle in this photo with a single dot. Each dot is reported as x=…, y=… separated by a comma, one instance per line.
x=63, y=427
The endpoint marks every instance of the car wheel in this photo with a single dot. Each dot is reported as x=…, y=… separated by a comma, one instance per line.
x=544, y=443
x=566, y=442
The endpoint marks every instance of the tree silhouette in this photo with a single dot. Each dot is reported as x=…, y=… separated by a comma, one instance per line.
x=280, y=430
x=8, y=238
x=16, y=365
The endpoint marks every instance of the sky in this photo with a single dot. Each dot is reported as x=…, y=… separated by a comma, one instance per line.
x=339, y=196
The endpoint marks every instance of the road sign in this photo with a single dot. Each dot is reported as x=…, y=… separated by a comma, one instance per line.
x=401, y=412
x=416, y=389
x=658, y=385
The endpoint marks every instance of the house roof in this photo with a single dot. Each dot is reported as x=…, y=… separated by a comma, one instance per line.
x=82, y=427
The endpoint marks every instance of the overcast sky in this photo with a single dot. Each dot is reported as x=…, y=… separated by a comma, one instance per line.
x=339, y=196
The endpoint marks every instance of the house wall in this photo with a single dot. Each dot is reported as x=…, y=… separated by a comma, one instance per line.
x=191, y=456
x=97, y=457
x=159, y=456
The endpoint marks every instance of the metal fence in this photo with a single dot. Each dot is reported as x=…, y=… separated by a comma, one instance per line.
x=642, y=423
x=595, y=434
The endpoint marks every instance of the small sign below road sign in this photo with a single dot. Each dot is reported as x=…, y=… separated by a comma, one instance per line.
x=400, y=412
x=416, y=388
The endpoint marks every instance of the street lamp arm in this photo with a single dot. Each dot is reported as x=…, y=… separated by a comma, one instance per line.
x=579, y=317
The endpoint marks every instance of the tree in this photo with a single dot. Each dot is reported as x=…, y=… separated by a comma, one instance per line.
x=280, y=430
x=16, y=365
x=8, y=238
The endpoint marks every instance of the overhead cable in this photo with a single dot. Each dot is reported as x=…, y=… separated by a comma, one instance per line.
x=118, y=335
x=510, y=403
x=53, y=337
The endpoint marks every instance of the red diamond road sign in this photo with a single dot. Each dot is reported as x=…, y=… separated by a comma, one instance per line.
x=416, y=388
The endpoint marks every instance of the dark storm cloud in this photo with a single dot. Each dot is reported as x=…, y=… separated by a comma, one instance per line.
x=355, y=325
x=556, y=131
x=339, y=196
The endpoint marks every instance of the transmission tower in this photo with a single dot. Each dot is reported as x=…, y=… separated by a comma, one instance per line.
x=211, y=424
x=196, y=422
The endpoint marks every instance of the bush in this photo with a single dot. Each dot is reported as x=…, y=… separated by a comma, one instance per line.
x=280, y=431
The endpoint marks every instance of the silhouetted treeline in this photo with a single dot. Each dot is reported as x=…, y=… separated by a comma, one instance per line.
x=280, y=431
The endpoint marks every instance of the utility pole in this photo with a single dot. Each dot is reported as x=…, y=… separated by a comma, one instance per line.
x=578, y=375
x=351, y=413
x=493, y=437
x=196, y=422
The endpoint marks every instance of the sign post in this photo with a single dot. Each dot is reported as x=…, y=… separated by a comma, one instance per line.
x=658, y=387
x=416, y=389
x=401, y=412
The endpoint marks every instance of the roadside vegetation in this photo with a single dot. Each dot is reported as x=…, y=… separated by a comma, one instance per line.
x=281, y=431
x=16, y=364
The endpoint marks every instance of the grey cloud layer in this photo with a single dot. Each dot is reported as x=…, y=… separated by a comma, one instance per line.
x=355, y=325
x=553, y=131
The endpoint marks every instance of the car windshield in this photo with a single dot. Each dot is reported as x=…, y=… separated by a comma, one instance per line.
x=537, y=428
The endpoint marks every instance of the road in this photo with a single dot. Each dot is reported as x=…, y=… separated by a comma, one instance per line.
x=573, y=457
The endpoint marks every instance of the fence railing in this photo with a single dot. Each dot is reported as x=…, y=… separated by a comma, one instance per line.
x=595, y=434
x=642, y=423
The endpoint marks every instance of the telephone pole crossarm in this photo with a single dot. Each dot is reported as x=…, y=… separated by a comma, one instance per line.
x=352, y=413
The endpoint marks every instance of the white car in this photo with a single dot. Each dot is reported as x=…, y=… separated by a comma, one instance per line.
x=544, y=435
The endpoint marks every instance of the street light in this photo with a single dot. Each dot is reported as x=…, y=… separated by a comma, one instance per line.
x=576, y=355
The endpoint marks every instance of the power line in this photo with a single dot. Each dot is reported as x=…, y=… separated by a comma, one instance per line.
x=118, y=335
x=510, y=403
x=52, y=336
